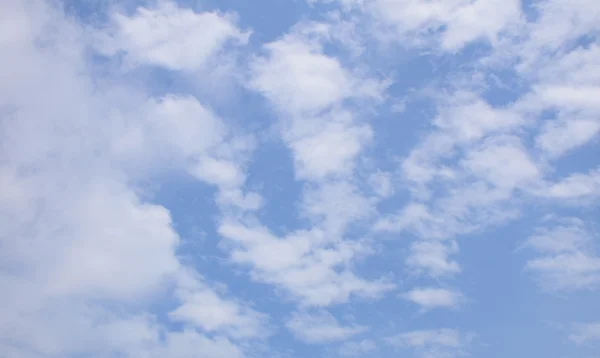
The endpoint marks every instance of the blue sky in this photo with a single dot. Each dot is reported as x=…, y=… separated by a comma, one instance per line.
x=307, y=178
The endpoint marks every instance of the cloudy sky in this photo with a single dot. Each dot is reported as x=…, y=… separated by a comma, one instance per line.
x=299, y=178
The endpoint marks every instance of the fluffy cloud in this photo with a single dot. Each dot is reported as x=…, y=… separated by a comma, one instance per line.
x=310, y=267
x=78, y=238
x=330, y=151
x=169, y=36
x=308, y=87
x=314, y=81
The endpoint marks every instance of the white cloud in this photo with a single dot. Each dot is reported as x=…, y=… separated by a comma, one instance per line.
x=85, y=254
x=320, y=327
x=575, y=67
x=585, y=332
x=170, y=36
x=430, y=297
x=503, y=162
x=567, y=260
x=568, y=237
x=382, y=184
x=335, y=206
x=562, y=21
x=468, y=207
x=329, y=151
x=559, y=137
x=433, y=343
x=567, y=97
x=575, y=186
x=359, y=348
x=184, y=123
x=106, y=234
x=468, y=118
x=310, y=267
x=308, y=89
x=218, y=172
x=451, y=24
x=567, y=270
x=431, y=254
x=203, y=307
x=298, y=77
x=75, y=330
x=79, y=237
x=431, y=258
x=313, y=95
x=417, y=339
x=211, y=313
x=481, y=20
x=463, y=173
x=463, y=122
x=188, y=344
x=167, y=131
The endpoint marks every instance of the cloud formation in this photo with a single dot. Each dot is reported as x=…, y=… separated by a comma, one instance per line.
x=319, y=178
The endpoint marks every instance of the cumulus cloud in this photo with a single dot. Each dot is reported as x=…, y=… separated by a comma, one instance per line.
x=78, y=237
x=314, y=81
x=307, y=87
x=170, y=36
x=330, y=151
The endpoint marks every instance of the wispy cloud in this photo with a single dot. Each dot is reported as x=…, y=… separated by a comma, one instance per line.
x=433, y=343
x=307, y=264
x=585, y=332
x=567, y=259
x=429, y=297
x=357, y=348
x=320, y=327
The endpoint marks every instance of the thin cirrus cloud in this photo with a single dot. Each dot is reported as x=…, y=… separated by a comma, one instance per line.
x=429, y=298
x=320, y=327
x=197, y=179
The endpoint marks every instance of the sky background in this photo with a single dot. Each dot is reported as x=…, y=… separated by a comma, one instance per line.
x=318, y=178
